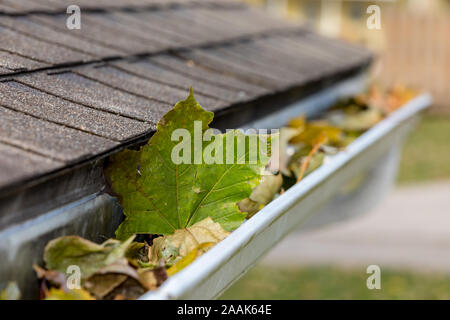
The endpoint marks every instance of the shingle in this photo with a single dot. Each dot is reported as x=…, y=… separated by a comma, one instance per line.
x=205, y=58
x=14, y=62
x=17, y=164
x=161, y=20
x=294, y=61
x=345, y=50
x=91, y=30
x=303, y=64
x=41, y=51
x=144, y=22
x=200, y=25
x=5, y=8
x=209, y=24
x=28, y=5
x=277, y=69
x=309, y=49
x=65, y=38
x=243, y=21
x=115, y=34
x=96, y=95
x=228, y=22
x=184, y=20
x=148, y=70
x=111, y=4
x=189, y=68
x=147, y=88
x=150, y=31
x=147, y=42
x=48, y=107
x=59, y=5
x=49, y=139
x=301, y=59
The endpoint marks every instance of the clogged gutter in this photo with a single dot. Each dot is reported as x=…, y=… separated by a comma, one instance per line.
x=176, y=210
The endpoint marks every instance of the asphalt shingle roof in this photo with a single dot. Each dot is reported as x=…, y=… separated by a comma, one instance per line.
x=68, y=97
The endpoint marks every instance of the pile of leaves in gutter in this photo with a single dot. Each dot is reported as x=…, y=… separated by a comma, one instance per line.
x=176, y=212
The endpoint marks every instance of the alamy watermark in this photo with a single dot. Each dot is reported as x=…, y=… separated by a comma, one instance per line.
x=232, y=147
x=73, y=21
x=74, y=277
x=374, y=280
x=374, y=20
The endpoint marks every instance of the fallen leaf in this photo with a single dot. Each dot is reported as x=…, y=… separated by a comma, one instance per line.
x=75, y=294
x=279, y=161
x=314, y=130
x=130, y=289
x=170, y=249
x=322, y=139
x=159, y=196
x=250, y=207
x=262, y=194
x=54, y=277
x=359, y=121
x=303, y=163
x=160, y=274
x=148, y=279
x=99, y=285
x=137, y=254
x=90, y=257
x=297, y=122
x=268, y=187
x=189, y=258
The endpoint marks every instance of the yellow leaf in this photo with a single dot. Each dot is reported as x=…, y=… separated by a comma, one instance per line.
x=320, y=140
x=298, y=122
x=189, y=258
x=314, y=131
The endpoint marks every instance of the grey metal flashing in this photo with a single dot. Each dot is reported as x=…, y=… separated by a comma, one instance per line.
x=55, y=185
x=94, y=217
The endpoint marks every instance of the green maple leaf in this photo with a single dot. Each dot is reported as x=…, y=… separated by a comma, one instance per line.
x=159, y=196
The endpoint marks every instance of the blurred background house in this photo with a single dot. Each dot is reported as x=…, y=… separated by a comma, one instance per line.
x=413, y=44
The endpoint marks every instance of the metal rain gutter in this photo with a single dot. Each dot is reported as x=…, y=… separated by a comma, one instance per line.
x=212, y=273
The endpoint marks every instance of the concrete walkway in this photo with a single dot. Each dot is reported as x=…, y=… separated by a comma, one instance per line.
x=409, y=230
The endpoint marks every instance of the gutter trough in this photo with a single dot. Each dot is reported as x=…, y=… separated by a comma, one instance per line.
x=374, y=155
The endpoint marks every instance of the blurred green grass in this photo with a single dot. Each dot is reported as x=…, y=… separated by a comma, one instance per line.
x=333, y=283
x=426, y=155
